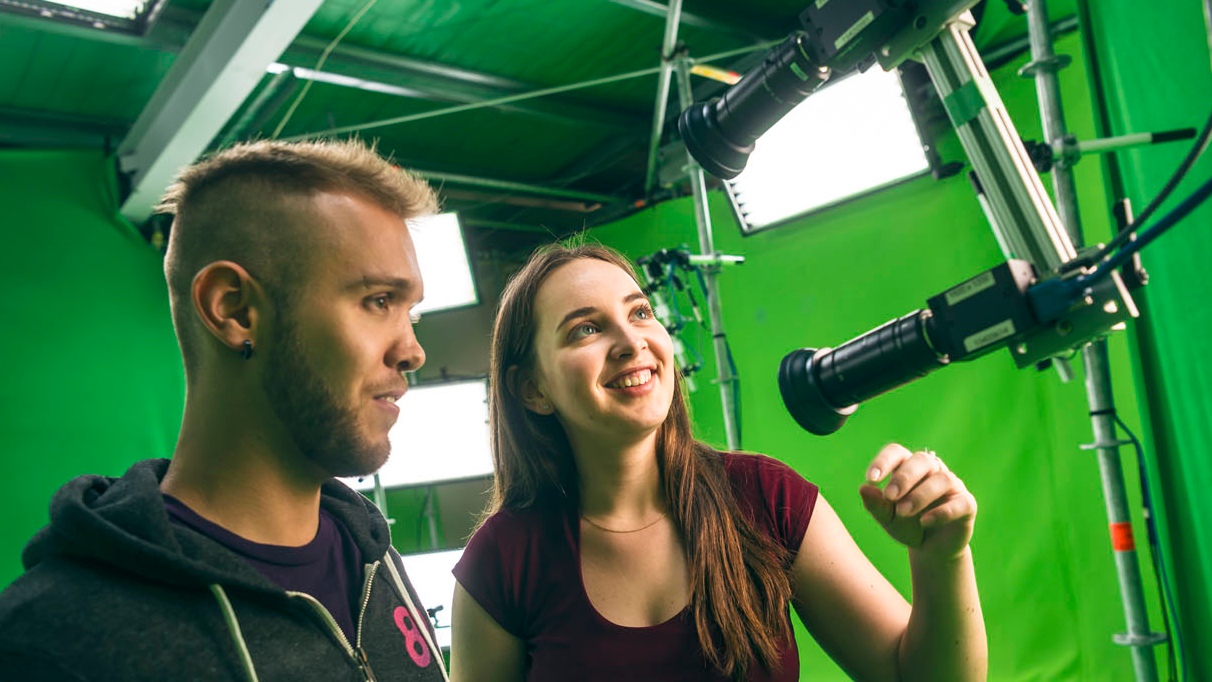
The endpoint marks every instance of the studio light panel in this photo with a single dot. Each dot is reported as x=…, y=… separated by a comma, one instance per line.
x=441, y=435
x=848, y=138
x=445, y=267
x=430, y=573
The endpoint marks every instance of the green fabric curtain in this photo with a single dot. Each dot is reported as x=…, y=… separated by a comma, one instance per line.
x=1154, y=73
x=1044, y=562
x=92, y=376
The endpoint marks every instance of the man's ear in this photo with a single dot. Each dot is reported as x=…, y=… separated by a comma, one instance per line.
x=523, y=385
x=228, y=302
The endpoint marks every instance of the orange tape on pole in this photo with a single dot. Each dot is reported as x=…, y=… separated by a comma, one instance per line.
x=1121, y=537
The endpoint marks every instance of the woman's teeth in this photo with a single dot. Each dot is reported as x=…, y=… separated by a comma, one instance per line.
x=638, y=379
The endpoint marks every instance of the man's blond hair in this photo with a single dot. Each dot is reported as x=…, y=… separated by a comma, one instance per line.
x=243, y=204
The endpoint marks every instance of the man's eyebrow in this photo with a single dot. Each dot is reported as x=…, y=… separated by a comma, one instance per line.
x=375, y=281
x=637, y=295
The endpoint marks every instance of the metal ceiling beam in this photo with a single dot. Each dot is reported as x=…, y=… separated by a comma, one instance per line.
x=215, y=71
x=511, y=186
x=660, y=10
x=434, y=80
x=509, y=99
x=165, y=37
x=21, y=127
x=445, y=83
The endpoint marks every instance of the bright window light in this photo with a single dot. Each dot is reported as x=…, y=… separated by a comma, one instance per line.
x=123, y=9
x=444, y=263
x=441, y=435
x=851, y=137
x=431, y=577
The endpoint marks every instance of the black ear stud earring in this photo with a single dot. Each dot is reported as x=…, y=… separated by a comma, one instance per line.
x=247, y=351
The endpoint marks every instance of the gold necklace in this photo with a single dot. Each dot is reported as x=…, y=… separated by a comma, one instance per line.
x=633, y=530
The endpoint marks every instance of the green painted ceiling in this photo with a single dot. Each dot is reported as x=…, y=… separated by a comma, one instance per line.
x=69, y=86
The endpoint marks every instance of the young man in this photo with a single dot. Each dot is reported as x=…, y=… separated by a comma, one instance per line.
x=292, y=278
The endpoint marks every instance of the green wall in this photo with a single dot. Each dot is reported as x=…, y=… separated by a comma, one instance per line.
x=1153, y=73
x=92, y=378
x=1044, y=563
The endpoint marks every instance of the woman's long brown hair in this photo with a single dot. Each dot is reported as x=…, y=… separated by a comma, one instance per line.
x=738, y=576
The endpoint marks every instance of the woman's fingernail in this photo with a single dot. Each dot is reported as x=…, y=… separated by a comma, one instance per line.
x=873, y=474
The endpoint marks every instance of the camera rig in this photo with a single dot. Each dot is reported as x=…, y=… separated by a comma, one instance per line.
x=1042, y=302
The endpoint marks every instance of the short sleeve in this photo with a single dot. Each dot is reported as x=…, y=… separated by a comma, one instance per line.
x=776, y=495
x=490, y=571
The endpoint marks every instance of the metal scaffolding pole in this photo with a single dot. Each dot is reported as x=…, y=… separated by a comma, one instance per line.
x=1043, y=67
x=698, y=185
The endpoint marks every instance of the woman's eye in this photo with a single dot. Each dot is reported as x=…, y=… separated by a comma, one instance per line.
x=644, y=313
x=584, y=329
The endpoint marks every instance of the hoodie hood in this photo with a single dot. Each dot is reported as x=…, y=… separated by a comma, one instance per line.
x=121, y=523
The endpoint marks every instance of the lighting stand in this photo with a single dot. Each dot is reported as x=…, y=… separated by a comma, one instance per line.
x=679, y=63
x=1139, y=638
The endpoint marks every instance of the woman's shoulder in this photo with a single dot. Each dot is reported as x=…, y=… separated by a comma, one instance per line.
x=756, y=465
x=776, y=496
x=517, y=522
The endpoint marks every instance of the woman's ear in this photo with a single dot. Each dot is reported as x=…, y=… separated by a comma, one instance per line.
x=522, y=384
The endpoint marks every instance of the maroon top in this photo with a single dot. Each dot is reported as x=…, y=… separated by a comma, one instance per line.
x=523, y=567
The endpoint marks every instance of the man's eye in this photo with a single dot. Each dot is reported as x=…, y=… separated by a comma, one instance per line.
x=382, y=301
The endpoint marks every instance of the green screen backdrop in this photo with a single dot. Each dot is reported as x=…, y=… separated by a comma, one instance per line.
x=1044, y=562
x=92, y=377
x=1153, y=72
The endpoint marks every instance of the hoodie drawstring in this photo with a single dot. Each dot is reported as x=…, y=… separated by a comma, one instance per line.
x=233, y=626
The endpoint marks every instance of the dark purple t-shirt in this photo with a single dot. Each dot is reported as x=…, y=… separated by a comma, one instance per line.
x=328, y=568
x=523, y=567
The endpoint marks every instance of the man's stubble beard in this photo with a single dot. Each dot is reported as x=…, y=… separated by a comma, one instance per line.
x=324, y=430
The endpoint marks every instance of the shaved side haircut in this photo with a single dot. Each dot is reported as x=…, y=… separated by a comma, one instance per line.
x=250, y=204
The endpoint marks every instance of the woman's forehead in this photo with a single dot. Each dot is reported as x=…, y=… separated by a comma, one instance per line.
x=584, y=280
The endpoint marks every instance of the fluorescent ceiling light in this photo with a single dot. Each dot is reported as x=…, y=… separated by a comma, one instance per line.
x=445, y=267
x=430, y=574
x=344, y=81
x=123, y=9
x=124, y=16
x=441, y=435
x=851, y=137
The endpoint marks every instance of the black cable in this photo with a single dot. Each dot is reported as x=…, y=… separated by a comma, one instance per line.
x=1201, y=143
x=1173, y=635
x=1145, y=238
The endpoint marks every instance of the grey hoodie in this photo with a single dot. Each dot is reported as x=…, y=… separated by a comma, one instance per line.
x=114, y=591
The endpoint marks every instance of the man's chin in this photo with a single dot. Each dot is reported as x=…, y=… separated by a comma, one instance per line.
x=371, y=465
x=360, y=465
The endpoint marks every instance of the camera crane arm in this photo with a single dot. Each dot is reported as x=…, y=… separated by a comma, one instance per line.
x=1035, y=303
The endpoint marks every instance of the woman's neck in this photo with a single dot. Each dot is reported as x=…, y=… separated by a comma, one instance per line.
x=621, y=484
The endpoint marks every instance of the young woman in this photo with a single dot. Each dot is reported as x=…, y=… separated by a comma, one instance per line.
x=620, y=548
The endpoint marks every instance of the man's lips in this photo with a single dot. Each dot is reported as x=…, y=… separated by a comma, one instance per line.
x=391, y=396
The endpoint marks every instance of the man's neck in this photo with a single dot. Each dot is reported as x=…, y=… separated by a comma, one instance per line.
x=245, y=480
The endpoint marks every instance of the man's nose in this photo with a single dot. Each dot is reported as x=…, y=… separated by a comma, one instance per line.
x=406, y=354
